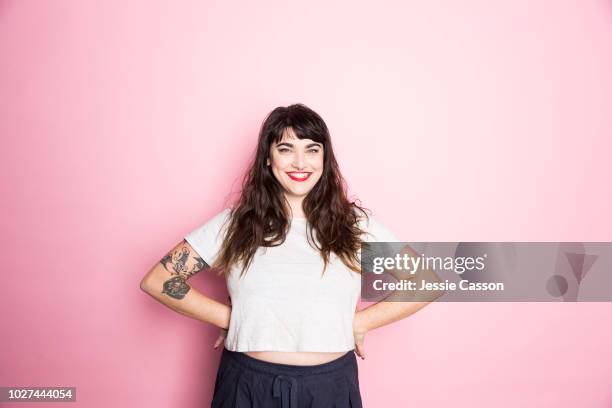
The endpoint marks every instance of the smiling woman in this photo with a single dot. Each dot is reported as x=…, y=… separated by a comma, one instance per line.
x=297, y=164
x=289, y=249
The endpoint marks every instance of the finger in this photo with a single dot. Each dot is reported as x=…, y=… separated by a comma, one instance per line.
x=361, y=350
x=358, y=350
x=218, y=342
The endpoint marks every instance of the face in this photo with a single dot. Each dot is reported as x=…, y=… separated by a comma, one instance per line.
x=296, y=163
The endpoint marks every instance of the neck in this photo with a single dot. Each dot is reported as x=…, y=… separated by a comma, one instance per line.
x=295, y=203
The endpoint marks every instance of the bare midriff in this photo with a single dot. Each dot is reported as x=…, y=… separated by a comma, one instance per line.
x=295, y=358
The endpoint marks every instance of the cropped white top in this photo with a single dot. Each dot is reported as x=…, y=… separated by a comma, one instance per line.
x=282, y=302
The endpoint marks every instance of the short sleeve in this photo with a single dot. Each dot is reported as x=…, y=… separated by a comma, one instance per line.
x=378, y=232
x=208, y=237
x=375, y=231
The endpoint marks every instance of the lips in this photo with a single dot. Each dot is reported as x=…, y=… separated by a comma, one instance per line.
x=299, y=175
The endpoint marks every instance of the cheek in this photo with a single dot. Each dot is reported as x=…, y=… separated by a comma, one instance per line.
x=280, y=162
x=318, y=171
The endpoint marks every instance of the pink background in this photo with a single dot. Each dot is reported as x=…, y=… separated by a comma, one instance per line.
x=126, y=124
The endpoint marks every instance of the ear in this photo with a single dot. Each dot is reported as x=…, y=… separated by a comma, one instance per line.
x=267, y=162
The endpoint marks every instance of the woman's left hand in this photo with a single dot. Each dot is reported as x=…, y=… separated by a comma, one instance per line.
x=359, y=333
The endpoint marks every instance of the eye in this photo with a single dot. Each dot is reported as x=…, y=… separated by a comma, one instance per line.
x=283, y=149
x=313, y=150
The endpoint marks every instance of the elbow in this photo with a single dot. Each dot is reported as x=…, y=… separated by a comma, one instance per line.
x=149, y=283
x=145, y=286
x=153, y=281
x=151, y=288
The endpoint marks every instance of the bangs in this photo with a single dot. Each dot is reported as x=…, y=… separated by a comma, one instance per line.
x=305, y=123
x=300, y=133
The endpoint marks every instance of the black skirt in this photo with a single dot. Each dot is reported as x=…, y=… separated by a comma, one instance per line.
x=246, y=382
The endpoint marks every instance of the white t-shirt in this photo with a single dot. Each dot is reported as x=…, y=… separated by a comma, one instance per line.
x=282, y=303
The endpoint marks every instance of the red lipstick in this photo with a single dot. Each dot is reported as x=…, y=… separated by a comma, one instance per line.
x=299, y=175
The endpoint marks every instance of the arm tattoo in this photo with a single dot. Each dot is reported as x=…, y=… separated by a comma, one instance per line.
x=176, y=287
x=176, y=263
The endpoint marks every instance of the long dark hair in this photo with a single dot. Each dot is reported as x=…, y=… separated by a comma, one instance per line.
x=261, y=215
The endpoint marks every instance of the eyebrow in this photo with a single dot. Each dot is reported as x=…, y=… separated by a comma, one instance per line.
x=307, y=146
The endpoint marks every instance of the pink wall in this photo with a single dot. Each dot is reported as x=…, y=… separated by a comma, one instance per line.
x=124, y=125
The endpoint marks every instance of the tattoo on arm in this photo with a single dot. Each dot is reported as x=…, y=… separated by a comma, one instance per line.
x=176, y=287
x=176, y=263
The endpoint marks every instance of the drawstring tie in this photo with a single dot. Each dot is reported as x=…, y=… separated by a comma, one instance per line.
x=278, y=390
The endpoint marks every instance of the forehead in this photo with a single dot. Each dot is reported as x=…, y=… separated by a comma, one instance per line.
x=290, y=137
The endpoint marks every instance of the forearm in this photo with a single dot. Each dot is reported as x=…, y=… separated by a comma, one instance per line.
x=383, y=313
x=400, y=304
x=193, y=304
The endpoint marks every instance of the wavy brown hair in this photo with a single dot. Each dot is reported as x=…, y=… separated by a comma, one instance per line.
x=261, y=216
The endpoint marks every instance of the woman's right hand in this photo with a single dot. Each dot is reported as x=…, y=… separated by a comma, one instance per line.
x=221, y=338
x=223, y=332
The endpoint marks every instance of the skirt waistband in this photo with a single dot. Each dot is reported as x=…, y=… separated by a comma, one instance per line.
x=243, y=360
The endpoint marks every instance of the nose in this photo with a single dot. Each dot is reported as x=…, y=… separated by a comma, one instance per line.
x=298, y=161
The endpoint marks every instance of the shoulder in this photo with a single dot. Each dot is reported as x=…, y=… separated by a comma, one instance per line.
x=222, y=216
x=375, y=230
x=206, y=238
x=212, y=224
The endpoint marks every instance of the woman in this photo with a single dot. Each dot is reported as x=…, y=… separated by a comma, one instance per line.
x=289, y=250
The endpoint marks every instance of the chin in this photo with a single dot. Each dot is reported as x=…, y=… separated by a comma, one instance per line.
x=299, y=192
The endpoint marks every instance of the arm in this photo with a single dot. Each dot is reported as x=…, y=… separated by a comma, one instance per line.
x=395, y=307
x=167, y=283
